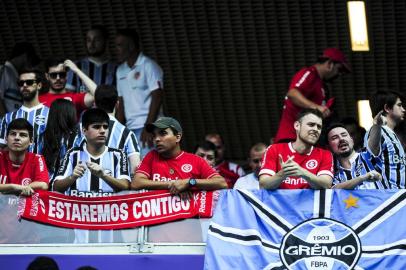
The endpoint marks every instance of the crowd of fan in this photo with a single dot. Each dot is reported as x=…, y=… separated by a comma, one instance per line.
x=92, y=128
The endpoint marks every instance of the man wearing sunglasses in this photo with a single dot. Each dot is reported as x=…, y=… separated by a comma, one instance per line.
x=56, y=76
x=251, y=180
x=32, y=110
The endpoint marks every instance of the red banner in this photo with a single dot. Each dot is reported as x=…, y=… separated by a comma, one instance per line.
x=113, y=212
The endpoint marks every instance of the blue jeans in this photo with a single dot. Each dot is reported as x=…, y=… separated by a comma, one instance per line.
x=143, y=149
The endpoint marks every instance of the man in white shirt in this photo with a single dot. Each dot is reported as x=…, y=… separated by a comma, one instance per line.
x=251, y=181
x=139, y=86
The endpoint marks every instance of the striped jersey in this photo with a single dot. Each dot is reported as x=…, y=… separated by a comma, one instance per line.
x=119, y=137
x=113, y=161
x=100, y=73
x=361, y=163
x=391, y=159
x=37, y=116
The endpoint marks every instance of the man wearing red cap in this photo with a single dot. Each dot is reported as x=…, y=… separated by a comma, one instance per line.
x=307, y=90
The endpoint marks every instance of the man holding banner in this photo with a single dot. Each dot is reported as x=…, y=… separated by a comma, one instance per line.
x=21, y=172
x=169, y=168
x=93, y=169
x=298, y=164
x=167, y=163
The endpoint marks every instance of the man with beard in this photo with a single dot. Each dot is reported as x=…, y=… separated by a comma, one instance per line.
x=382, y=141
x=31, y=110
x=308, y=90
x=97, y=64
x=298, y=164
x=354, y=170
x=56, y=75
x=22, y=57
x=251, y=181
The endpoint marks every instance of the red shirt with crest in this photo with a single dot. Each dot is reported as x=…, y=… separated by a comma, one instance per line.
x=318, y=161
x=308, y=82
x=184, y=166
x=32, y=169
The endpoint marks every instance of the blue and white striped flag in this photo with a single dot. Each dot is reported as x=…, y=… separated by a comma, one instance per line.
x=305, y=229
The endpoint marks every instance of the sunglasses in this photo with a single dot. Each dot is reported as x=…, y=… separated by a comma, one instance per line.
x=54, y=75
x=26, y=82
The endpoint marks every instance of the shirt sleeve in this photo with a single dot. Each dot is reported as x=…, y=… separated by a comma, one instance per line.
x=146, y=165
x=303, y=81
x=206, y=172
x=122, y=169
x=66, y=167
x=41, y=170
x=154, y=76
x=131, y=144
x=79, y=100
x=326, y=164
x=269, y=162
x=382, y=145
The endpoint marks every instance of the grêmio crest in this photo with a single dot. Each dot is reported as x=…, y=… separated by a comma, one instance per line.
x=320, y=243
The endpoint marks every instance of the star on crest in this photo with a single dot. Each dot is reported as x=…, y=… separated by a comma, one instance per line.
x=351, y=201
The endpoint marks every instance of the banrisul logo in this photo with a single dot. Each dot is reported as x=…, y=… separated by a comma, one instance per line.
x=320, y=244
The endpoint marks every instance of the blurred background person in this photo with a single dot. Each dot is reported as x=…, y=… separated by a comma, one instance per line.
x=23, y=56
x=97, y=64
x=207, y=151
x=251, y=180
x=229, y=170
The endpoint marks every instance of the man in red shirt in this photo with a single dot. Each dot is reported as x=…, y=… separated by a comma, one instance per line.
x=21, y=172
x=56, y=75
x=298, y=164
x=229, y=170
x=168, y=167
x=307, y=90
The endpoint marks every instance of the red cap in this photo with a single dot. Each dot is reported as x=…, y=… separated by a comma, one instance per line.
x=337, y=56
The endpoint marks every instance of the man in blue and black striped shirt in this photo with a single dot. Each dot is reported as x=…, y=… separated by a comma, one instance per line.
x=381, y=140
x=97, y=64
x=354, y=170
x=31, y=110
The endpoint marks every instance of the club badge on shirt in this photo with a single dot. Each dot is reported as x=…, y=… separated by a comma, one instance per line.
x=186, y=168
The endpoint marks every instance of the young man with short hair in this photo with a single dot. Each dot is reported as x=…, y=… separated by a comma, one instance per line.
x=169, y=167
x=120, y=137
x=207, y=151
x=21, y=172
x=31, y=110
x=93, y=169
x=382, y=141
x=299, y=164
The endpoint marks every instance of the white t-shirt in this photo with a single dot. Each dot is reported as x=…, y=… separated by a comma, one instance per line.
x=249, y=181
x=135, y=85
